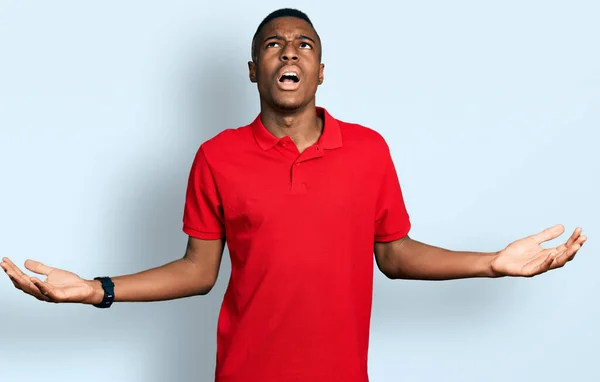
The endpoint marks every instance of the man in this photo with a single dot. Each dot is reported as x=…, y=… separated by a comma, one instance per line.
x=303, y=201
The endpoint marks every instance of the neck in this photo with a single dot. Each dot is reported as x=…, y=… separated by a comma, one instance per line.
x=303, y=125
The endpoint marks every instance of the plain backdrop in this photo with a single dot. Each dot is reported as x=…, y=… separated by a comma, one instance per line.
x=491, y=110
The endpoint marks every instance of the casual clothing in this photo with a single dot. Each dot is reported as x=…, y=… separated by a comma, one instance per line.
x=300, y=229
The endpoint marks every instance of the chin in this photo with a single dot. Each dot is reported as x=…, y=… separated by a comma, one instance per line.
x=286, y=104
x=290, y=104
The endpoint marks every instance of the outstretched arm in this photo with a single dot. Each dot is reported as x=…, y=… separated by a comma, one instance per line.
x=194, y=274
x=409, y=259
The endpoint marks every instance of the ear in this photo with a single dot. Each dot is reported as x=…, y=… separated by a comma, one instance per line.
x=321, y=74
x=252, y=71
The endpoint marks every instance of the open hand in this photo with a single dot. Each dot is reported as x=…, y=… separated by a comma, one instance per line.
x=525, y=257
x=59, y=286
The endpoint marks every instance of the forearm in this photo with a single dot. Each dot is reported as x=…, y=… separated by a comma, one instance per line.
x=178, y=279
x=411, y=259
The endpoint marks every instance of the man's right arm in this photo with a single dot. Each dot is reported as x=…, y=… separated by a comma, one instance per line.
x=194, y=274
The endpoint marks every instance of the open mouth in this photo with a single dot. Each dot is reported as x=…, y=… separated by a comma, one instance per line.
x=289, y=78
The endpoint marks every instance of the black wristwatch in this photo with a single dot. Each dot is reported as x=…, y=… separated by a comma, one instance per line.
x=109, y=292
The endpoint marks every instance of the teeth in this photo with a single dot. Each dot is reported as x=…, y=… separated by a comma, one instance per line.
x=290, y=76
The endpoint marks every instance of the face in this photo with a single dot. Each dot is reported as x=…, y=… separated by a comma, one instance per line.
x=287, y=64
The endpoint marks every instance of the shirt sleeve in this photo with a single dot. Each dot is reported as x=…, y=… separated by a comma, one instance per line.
x=392, y=221
x=203, y=212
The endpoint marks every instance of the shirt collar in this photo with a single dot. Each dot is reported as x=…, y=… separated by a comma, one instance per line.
x=331, y=137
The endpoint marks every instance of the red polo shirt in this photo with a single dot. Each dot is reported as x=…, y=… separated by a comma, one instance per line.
x=300, y=229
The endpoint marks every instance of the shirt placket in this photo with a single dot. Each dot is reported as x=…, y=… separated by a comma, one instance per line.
x=300, y=170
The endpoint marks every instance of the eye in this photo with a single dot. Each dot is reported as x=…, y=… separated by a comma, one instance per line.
x=272, y=45
x=305, y=45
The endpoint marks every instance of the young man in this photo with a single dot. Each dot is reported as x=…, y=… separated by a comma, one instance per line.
x=302, y=200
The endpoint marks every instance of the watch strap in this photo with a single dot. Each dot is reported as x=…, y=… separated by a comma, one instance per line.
x=109, y=292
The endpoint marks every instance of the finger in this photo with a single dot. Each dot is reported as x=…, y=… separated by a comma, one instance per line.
x=562, y=258
x=47, y=292
x=9, y=273
x=37, y=267
x=580, y=241
x=32, y=289
x=543, y=266
x=576, y=234
x=17, y=277
x=549, y=234
x=16, y=270
x=28, y=287
x=538, y=265
x=23, y=282
x=4, y=266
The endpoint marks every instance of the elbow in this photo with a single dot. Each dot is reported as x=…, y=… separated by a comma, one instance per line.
x=394, y=274
x=392, y=258
x=206, y=286
x=390, y=270
x=199, y=279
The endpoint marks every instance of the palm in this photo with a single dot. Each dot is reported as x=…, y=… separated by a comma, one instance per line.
x=59, y=286
x=526, y=257
x=68, y=287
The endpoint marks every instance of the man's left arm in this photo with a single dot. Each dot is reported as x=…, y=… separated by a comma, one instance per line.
x=406, y=258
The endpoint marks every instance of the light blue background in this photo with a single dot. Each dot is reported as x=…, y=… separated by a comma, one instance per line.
x=491, y=110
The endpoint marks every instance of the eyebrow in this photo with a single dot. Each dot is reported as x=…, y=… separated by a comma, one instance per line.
x=302, y=37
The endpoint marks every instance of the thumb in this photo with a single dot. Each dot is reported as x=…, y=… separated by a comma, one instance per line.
x=37, y=267
x=549, y=233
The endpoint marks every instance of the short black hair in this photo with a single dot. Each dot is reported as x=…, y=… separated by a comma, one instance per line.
x=283, y=12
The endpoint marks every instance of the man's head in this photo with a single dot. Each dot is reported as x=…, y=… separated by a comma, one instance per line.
x=284, y=12
x=286, y=60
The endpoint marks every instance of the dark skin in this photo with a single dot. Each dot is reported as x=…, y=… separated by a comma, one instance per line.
x=290, y=43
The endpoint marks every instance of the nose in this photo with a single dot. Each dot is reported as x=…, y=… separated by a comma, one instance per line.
x=289, y=53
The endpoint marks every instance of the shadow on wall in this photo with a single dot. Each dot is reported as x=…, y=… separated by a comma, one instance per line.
x=178, y=338
x=164, y=341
